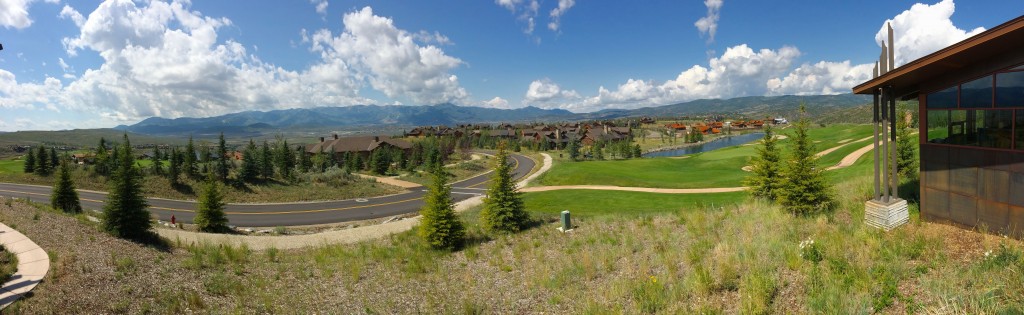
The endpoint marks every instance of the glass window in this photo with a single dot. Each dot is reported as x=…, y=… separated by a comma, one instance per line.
x=1010, y=89
x=938, y=126
x=943, y=99
x=994, y=128
x=977, y=93
x=1019, y=127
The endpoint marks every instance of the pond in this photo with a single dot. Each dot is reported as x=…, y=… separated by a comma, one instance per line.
x=708, y=146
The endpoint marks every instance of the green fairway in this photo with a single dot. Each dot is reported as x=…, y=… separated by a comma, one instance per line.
x=718, y=168
x=12, y=166
x=599, y=202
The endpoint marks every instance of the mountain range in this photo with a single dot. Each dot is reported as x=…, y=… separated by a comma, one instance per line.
x=250, y=122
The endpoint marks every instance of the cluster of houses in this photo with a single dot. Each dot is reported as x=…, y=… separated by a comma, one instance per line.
x=553, y=135
x=360, y=145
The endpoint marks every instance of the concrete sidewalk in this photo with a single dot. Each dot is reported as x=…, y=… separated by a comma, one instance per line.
x=33, y=263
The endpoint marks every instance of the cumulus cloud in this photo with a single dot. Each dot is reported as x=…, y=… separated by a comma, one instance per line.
x=390, y=59
x=14, y=13
x=709, y=23
x=557, y=13
x=924, y=29
x=70, y=13
x=545, y=93
x=321, y=6
x=496, y=102
x=823, y=77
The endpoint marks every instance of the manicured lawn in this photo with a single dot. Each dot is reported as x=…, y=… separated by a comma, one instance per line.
x=599, y=202
x=12, y=166
x=718, y=168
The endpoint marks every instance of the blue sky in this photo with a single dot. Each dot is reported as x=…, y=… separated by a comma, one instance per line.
x=88, y=64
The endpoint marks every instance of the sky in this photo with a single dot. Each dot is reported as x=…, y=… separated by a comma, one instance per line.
x=90, y=64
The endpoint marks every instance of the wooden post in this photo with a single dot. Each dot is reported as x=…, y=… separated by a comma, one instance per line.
x=874, y=123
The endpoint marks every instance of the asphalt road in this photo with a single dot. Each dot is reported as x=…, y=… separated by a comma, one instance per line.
x=290, y=214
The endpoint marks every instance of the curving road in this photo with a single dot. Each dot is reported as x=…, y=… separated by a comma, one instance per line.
x=289, y=214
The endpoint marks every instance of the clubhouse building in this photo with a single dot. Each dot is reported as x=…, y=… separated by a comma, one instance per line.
x=971, y=105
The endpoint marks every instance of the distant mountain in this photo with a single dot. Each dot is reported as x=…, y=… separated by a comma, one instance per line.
x=255, y=122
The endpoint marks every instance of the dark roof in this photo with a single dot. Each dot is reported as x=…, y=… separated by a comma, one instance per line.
x=907, y=78
x=357, y=144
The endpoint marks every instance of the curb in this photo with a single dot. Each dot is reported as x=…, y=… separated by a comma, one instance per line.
x=33, y=263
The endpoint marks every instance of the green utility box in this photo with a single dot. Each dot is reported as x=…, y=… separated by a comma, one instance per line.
x=566, y=222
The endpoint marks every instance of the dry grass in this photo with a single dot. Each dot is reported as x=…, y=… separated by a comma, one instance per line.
x=738, y=259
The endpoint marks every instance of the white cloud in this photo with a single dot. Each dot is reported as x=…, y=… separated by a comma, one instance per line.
x=71, y=13
x=436, y=37
x=321, y=6
x=14, y=13
x=557, y=13
x=390, y=59
x=823, y=77
x=496, y=102
x=709, y=23
x=546, y=93
x=924, y=29
x=63, y=65
x=528, y=9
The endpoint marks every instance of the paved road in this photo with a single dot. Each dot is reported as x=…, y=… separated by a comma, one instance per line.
x=289, y=214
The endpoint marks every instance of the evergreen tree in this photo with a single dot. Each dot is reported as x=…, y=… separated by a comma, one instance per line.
x=54, y=158
x=906, y=155
x=210, y=215
x=637, y=152
x=304, y=161
x=380, y=161
x=125, y=213
x=157, y=168
x=221, y=167
x=188, y=165
x=440, y=226
x=30, y=161
x=174, y=169
x=250, y=164
x=284, y=159
x=42, y=162
x=266, y=161
x=574, y=149
x=766, y=168
x=102, y=165
x=503, y=207
x=64, y=196
x=805, y=190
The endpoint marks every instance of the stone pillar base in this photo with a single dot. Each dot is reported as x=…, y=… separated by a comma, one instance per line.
x=886, y=216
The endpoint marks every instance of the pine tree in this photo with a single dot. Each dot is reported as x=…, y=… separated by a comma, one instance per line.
x=805, y=190
x=637, y=152
x=102, y=159
x=30, y=161
x=503, y=211
x=157, y=168
x=64, y=196
x=125, y=213
x=304, y=161
x=221, y=167
x=283, y=159
x=906, y=155
x=440, y=226
x=574, y=149
x=266, y=161
x=380, y=161
x=42, y=162
x=174, y=169
x=54, y=158
x=250, y=164
x=210, y=215
x=188, y=165
x=766, y=168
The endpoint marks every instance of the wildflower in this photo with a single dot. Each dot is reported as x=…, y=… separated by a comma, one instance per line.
x=654, y=280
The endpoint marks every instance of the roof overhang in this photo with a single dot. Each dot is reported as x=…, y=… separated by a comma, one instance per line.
x=907, y=78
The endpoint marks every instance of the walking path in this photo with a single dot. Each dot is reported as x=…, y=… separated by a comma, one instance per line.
x=832, y=149
x=851, y=158
x=391, y=181
x=33, y=263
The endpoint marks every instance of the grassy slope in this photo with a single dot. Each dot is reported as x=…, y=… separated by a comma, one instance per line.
x=623, y=203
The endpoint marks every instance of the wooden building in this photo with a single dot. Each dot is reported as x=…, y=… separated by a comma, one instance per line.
x=971, y=98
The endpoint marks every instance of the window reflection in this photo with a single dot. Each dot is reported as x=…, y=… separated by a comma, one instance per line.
x=977, y=93
x=943, y=99
x=1010, y=89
